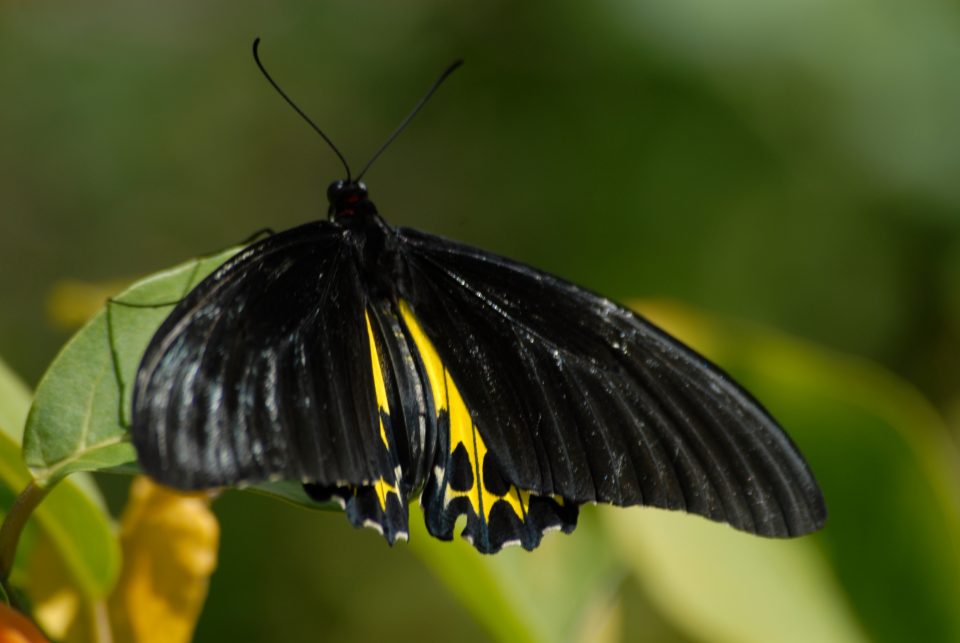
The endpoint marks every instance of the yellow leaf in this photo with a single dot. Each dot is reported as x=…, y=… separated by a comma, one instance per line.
x=169, y=542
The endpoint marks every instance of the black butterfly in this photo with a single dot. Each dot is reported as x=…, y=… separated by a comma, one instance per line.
x=372, y=363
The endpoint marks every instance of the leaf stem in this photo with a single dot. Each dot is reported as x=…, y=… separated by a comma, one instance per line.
x=13, y=525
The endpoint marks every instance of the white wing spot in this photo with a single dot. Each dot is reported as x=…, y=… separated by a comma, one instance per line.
x=373, y=525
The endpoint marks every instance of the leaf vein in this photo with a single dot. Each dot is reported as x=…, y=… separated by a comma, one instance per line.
x=44, y=473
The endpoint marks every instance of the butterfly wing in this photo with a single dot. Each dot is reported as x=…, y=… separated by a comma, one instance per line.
x=581, y=400
x=264, y=371
x=464, y=476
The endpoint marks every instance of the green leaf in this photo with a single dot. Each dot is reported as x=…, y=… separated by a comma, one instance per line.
x=72, y=516
x=80, y=415
x=547, y=595
x=14, y=403
x=74, y=423
x=722, y=585
x=884, y=461
x=291, y=492
x=82, y=532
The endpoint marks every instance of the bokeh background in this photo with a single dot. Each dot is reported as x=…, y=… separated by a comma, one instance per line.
x=792, y=163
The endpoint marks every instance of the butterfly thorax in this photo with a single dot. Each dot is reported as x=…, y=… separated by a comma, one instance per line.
x=373, y=239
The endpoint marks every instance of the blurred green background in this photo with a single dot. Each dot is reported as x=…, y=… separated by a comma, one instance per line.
x=793, y=163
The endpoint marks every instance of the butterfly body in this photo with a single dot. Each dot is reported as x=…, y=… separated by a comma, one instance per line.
x=374, y=363
x=375, y=243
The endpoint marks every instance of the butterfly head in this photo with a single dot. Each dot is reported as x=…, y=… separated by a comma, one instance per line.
x=348, y=199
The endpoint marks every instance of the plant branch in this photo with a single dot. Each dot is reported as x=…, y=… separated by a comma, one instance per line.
x=13, y=525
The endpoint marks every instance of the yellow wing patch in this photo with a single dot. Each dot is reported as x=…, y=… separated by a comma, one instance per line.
x=381, y=389
x=382, y=486
x=463, y=431
x=431, y=361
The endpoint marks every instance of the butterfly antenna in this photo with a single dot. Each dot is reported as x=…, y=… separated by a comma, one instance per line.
x=416, y=108
x=256, y=57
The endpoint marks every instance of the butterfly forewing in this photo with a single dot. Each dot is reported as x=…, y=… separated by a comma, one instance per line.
x=580, y=398
x=264, y=371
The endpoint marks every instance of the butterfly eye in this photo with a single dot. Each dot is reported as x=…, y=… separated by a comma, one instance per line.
x=335, y=189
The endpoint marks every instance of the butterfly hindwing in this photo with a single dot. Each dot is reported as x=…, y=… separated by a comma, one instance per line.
x=264, y=371
x=582, y=399
x=466, y=478
x=381, y=505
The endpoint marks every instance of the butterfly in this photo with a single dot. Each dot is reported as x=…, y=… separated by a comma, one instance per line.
x=377, y=364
